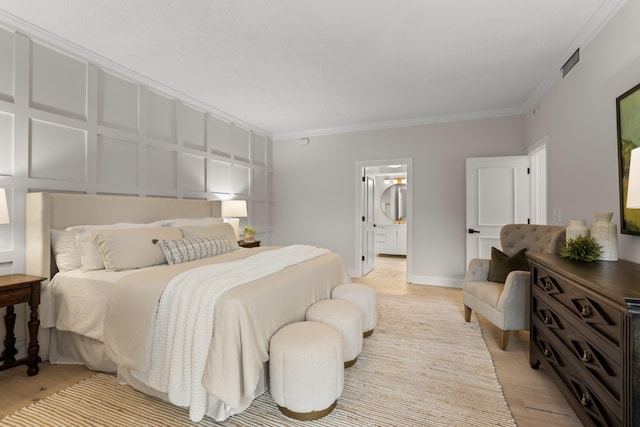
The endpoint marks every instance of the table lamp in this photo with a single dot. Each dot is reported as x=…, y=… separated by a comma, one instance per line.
x=232, y=210
x=4, y=209
x=633, y=185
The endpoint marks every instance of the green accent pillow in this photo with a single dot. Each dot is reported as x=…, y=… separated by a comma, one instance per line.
x=501, y=264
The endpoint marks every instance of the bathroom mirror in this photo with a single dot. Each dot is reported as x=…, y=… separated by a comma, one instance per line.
x=393, y=202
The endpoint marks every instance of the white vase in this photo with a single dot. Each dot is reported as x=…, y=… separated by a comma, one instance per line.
x=577, y=227
x=605, y=233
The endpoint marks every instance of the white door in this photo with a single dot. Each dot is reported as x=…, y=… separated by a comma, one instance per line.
x=497, y=194
x=368, y=226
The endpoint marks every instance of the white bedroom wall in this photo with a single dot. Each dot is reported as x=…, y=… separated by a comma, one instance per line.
x=578, y=117
x=69, y=125
x=314, y=188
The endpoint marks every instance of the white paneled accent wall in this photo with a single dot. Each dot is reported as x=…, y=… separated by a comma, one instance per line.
x=69, y=125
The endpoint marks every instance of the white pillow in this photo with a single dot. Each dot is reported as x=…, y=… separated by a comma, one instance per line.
x=88, y=248
x=130, y=248
x=185, y=250
x=224, y=229
x=188, y=222
x=65, y=250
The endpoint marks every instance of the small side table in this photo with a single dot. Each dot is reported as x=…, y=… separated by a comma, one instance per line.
x=252, y=244
x=16, y=289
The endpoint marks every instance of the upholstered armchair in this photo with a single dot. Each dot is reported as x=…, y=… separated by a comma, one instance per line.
x=506, y=305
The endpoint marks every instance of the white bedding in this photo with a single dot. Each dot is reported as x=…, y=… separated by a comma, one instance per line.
x=77, y=302
x=184, y=323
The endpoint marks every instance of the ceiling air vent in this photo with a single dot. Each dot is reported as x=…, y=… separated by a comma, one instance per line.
x=571, y=62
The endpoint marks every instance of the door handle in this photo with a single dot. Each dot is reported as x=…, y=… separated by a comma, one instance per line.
x=471, y=231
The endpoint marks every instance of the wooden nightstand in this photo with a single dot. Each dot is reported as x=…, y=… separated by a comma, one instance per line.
x=253, y=244
x=16, y=289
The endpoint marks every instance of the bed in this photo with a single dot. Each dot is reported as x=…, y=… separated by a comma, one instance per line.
x=194, y=332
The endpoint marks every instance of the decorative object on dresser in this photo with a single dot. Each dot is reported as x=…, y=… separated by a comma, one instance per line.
x=16, y=289
x=605, y=233
x=585, y=330
x=581, y=248
x=506, y=305
x=577, y=227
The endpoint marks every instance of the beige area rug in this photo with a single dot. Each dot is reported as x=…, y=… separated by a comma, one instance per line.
x=423, y=366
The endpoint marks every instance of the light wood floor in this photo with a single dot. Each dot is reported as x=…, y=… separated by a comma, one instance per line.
x=533, y=398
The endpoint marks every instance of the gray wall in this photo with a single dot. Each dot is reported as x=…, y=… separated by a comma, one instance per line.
x=314, y=190
x=578, y=118
x=69, y=125
x=314, y=187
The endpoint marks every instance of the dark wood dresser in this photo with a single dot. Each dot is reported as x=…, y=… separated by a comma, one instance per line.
x=585, y=330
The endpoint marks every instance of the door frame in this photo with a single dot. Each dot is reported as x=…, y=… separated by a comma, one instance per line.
x=538, y=181
x=360, y=172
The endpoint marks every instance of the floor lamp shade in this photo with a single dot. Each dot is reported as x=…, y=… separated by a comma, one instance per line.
x=633, y=185
x=4, y=209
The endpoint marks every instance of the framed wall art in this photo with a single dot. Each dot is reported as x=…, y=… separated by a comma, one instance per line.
x=628, y=116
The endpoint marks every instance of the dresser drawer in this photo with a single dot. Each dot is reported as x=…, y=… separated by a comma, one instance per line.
x=588, y=359
x=582, y=308
x=584, y=393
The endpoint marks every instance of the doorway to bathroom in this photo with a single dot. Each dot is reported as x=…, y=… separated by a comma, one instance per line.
x=383, y=217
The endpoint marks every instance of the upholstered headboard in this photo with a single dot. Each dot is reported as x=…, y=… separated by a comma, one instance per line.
x=57, y=211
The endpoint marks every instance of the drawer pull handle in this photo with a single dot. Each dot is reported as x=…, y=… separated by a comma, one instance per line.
x=586, y=356
x=547, y=284
x=547, y=319
x=546, y=351
x=586, y=310
x=584, y=399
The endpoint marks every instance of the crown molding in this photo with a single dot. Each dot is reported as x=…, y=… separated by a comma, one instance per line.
x=394, y=124
x=17, y=25
x=597, y=22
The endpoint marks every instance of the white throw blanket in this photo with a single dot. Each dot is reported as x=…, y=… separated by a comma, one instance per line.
x=184, y=321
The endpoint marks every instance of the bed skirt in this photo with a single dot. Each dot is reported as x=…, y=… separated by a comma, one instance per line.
x=216, y=408
x=68, y=348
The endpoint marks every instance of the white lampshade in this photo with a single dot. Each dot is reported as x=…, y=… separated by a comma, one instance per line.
x=4, y=209
x=234, y=208
x=633, y=185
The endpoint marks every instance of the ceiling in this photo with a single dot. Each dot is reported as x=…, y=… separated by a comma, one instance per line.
x=301, y=67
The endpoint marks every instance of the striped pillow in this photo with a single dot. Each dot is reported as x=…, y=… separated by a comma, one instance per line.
x=195, y=248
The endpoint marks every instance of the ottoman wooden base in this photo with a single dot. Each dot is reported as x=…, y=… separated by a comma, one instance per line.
x=308, y=416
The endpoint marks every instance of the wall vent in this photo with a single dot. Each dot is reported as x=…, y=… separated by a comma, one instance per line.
x=571, y=62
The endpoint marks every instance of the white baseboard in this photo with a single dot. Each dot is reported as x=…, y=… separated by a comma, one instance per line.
x=425, y=280
x=436, y=281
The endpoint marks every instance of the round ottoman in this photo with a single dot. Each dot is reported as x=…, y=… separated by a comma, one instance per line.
x=364, y=297
x=344, y=316
x=306, y=369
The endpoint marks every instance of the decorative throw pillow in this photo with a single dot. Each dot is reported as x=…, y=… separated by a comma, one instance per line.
x=225, y=230
x=130, y=248
x=185, y=250
x=65, y=250
x=88, y=247
x=501, y=264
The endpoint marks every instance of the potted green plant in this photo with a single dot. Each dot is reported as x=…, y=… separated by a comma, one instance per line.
x=249, y=232
x=581, y=249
